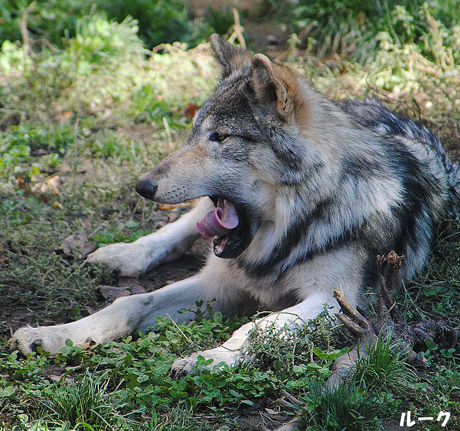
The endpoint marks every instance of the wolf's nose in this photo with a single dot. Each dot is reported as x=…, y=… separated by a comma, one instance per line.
x=146, y=189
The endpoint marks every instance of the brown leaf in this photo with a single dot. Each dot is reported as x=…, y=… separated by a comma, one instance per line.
x=166, y=207
x=47, y=185
x=64, y=116
x=110, y=293
x=126, y=286
x=190, y=110
x=131, y=284
x=76, y=245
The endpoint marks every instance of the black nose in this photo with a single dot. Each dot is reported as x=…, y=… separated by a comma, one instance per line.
x=146, y=189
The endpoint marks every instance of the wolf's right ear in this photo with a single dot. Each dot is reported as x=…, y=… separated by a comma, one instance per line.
x=275, y=86
x=229, y=57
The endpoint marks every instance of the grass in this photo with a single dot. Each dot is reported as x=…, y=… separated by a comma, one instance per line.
x=98, y=113
x=345, y=408
x=87, y=402
x=160, y=21
x=355, y=30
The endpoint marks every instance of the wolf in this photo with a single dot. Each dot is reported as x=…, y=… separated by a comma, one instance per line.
x=298, y=196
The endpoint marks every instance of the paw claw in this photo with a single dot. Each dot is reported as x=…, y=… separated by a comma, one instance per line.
x=183, y=366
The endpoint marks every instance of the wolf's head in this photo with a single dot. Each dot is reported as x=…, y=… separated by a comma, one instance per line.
x=245, y=147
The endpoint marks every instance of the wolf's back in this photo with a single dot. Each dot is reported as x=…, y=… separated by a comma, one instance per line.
x=373, y=115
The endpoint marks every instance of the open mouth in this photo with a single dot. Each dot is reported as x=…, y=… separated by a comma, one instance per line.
x=228, y=226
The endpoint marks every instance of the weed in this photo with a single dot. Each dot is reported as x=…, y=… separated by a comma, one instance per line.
x=309, y=349
x=384, y=369
x=345, y=408
x=86, y=402
x=354, y=30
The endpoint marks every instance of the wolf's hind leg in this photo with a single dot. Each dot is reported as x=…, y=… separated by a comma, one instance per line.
x=166, y=244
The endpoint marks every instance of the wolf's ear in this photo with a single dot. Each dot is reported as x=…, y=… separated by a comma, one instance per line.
x=274, y=86
x=229, y=57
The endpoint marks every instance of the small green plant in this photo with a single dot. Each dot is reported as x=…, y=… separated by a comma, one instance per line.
x=309, y=349
x=385, y=368
x=31, y=149
x=354, y=29
x=87, y=402
x=344, y=408
x=102, y=43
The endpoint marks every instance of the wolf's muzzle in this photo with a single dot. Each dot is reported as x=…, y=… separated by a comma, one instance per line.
x=146, y=189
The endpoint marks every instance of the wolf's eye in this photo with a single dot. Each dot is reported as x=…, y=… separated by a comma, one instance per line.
x=217, y=137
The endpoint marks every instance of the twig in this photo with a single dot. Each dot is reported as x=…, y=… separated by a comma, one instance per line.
x=290, y=426
x=238, y=30
x=168, y=132
x=351, y=318
x=24, y=31
x=180, y=330
x=386, y=302
x=292, y=398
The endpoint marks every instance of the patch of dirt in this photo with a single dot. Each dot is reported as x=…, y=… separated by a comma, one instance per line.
x=187, y=265
x=260, y=418
x=261, y=34
x=15, y=316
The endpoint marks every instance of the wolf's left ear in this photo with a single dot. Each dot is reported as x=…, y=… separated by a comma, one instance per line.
x=274, y=85
x=229, y=56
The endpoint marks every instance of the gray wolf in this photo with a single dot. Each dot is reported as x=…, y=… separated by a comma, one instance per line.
x=299, y=195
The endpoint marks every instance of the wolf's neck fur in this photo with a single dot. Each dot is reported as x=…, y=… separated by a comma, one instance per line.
x=325, y=138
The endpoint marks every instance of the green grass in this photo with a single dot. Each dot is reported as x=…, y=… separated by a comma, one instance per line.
x=97, y=113
x=87, y=402
x=356, y=30
x=385, y=369
x=346, y=408
x=158, y=21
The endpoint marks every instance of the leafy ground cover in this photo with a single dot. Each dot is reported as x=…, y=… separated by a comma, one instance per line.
x=79, y=123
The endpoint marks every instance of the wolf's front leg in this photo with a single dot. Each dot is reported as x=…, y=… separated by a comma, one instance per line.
x=233, y=350
x=166, y=244
x=127, y=315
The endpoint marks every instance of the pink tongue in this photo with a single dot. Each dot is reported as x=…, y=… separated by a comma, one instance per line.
x=220, y=221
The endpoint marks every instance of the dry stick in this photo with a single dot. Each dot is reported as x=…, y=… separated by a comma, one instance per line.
x=168, y=132
x=353, y=327
x=180, y=330
x=238, y=30
x=24, y=31
x=290, y=426
x=386, y=302
x=350, y=314
x=292, y=398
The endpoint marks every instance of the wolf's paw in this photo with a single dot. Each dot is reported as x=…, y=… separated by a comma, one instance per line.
x=28, y=339
x=49, y=338
x=127, y=259
x=219, y=355
x=183, y=366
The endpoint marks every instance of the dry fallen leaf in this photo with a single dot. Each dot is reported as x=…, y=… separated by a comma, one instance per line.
x=190, y=110
x=110, y=293
x=41, y=184
x=64, y=116
x=131, y=284
x=76, y=245
x=127, y=286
